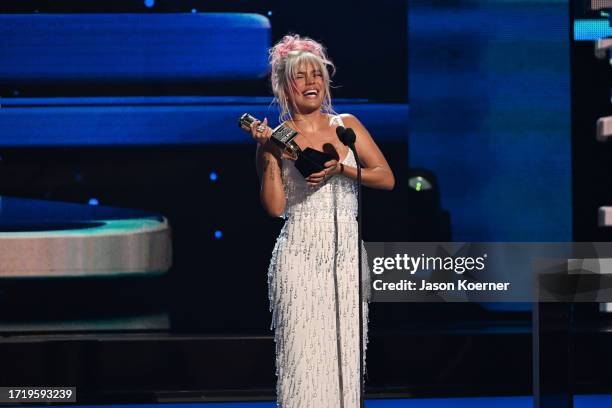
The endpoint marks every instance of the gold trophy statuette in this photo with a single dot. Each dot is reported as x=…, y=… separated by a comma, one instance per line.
x=282, y=136
x=307, y=161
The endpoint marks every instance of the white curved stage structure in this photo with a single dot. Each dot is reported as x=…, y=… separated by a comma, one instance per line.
x=104, y=248
x=44, y=239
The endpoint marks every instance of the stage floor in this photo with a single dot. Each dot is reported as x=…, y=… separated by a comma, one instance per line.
x=581, y=401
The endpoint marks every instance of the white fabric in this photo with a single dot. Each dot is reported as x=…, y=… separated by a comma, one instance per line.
x=302, y=292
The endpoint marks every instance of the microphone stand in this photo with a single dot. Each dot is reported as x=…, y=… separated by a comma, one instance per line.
x=347, y=136
x=360, y=273
x=338, y=328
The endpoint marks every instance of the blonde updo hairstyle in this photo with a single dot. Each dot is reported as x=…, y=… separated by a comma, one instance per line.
x=286, y=57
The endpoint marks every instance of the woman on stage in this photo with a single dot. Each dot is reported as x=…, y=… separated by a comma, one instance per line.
x=314, y=262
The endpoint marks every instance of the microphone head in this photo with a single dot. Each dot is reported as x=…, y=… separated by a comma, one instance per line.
x=346, y=136
x=349, y=136
x=340, y=132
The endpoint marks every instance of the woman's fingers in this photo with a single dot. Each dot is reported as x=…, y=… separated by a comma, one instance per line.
x=260, y=131
x=319, y=174
x=314, y=182
x=331, y=163
x=268, y=131
x=331, y=166
x=254, y=128
x=316, y=178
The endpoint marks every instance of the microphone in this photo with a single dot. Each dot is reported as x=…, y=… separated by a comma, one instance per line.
x=346, y=136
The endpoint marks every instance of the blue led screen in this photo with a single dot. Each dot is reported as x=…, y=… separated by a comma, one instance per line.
x=490, y=115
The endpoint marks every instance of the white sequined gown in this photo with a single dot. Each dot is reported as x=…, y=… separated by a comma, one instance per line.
x=302, y=293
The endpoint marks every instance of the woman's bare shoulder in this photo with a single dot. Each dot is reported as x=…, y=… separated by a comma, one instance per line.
x=341, y=119
x=348, y=117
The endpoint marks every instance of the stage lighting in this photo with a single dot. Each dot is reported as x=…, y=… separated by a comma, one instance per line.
x=93, y=201
x=423, y=193
x=269, y=13
x=149, y=3
x=218, y=234
x=213, y=176
x=419, y=183
x=428, y=221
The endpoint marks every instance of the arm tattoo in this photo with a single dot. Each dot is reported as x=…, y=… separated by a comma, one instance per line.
x=266, y=164
x=269, y=169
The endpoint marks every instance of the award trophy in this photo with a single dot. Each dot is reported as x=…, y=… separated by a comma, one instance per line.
x=307, y=161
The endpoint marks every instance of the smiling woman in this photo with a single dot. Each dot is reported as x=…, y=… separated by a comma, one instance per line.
x=300, y=66
x=313, y=275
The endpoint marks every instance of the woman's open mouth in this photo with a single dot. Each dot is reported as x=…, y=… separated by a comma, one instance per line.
x=311, y=94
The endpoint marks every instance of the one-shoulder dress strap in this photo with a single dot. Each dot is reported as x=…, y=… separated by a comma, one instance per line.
x=337, y=120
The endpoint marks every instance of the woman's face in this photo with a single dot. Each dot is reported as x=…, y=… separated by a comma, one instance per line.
x=310, y=88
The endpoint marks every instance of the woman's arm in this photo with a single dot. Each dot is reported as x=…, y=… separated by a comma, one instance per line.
x=268, y=163
x=375, y=171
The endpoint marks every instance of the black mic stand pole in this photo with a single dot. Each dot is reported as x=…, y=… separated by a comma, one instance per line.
x=347, y=136
x=360, y=268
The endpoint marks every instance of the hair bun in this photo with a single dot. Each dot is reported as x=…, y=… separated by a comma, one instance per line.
x=294, y=42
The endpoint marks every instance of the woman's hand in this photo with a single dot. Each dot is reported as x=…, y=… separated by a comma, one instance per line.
x=331, y=167
x=260, y=131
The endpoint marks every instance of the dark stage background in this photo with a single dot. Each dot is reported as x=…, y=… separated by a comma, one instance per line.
x=474, y=94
